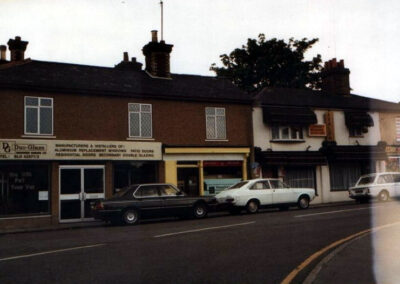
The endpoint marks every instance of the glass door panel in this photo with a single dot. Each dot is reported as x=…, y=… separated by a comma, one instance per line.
x=93, y=188
x=70, y=194
x=79, y=186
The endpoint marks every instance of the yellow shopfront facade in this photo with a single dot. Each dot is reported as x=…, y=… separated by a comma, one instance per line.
x=203, y=170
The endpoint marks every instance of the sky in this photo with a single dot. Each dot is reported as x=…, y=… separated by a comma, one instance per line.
x=364, y=33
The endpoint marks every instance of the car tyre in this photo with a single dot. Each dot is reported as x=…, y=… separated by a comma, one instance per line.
x=304, y=202
x=200, y=210
x=383, y=196
x=130, y=216
x=252, y=206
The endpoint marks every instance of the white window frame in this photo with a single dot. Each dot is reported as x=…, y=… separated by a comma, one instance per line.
x=140, y=120
x=38, y=107
x=280, y=133
x=215, y=116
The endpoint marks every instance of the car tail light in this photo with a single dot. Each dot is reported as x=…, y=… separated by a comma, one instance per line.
x=99, y=206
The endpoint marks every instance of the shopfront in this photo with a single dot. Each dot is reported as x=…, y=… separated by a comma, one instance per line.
x=393, y=162
x=58, y=179
x=205, y=171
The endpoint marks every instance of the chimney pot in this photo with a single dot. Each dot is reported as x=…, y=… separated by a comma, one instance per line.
x=126, y=57
x=133, y=59
x=154, y=36
x=3, y=50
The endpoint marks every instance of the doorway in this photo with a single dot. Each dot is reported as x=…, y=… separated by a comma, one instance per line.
x=79, y=186
x=188, y=180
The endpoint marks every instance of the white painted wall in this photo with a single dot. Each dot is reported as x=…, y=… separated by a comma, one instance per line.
x=342, y=133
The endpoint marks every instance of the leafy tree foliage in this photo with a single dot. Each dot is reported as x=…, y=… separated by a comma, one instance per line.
x=271, y=63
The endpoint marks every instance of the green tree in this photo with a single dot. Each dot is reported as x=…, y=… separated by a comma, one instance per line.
x=271, y=63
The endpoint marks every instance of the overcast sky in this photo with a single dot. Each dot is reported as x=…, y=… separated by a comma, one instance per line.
x=365, y=33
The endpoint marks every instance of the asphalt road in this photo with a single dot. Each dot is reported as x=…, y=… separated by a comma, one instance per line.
x=260, y=248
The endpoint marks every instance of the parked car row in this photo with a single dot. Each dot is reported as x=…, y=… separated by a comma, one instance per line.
x=139, y=201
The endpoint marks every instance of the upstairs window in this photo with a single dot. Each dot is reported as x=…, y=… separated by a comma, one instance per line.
x=140, y=121
x=356, y=132
x=38, y=116
x=215, y=123
x=287, y=133
x=398, y=129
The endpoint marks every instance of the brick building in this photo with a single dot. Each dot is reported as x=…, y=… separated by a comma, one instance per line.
x=70, y=134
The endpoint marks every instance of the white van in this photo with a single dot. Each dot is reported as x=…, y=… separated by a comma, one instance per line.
x=382, y=186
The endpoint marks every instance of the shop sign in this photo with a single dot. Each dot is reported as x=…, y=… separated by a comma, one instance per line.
x=222, y=163
x=317, y=130
x=20, y=149
x=393, y=149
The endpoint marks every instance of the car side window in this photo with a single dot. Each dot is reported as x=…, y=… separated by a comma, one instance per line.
x=147, y=191
x=260, y=185
x=167, y=190
x=396, y=178
x=385, y=179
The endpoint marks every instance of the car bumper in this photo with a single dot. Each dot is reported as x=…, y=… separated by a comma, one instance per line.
x=106, y=215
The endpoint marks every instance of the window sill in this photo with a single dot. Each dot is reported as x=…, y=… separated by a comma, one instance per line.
x=139, y=139
x=286, y=141
x=38, y=136
x=216, y=140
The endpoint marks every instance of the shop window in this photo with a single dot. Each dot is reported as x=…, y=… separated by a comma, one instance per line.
x=24, y=190
x=345, y=175
x=140, y=120
x=287, y=133
x=38, y=116
x=215, y=123
x=398, y=129
x=300, y=177
x=356, y=132
x=126, y=174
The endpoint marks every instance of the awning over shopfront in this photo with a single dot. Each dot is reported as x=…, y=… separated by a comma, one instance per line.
x=358, y=119
x=355, y=153
x=294, y=158
x=291, y=116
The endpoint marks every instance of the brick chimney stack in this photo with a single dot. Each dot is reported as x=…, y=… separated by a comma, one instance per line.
x=157, y=57
x=336, y=78
x=17, y=48
x=3, y=50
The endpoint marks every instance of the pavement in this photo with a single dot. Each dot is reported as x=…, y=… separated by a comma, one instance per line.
x=369, y=258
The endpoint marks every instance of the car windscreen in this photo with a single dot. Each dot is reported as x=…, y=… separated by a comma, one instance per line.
x=366, y=180
x=238, y=185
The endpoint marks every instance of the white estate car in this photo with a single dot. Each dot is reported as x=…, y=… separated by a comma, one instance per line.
x=378, y=185
x=256, y=193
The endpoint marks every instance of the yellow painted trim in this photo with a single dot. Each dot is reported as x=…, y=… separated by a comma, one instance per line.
x=187, y=166
x=244, y=169
x=171, y=175
x=201, y=178
x=207, y=151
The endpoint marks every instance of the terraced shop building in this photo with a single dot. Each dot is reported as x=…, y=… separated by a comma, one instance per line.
x=70, y=134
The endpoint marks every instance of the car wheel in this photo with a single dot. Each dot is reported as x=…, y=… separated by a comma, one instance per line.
x=304, y=202
x=130, y=217
x=252, y=206
x=383, y=196
x=199, y=210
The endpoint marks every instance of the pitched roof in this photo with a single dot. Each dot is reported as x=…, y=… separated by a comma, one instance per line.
x=82, y=79
x=318, y=99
